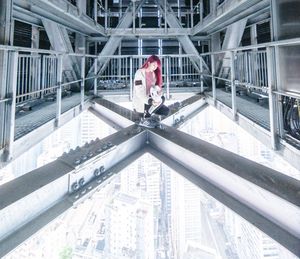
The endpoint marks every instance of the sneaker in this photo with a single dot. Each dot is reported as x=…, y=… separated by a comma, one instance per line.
x=155, y=118
x=148, y=123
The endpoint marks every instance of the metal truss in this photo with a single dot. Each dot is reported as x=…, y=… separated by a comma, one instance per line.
x=236, y=12
x=185, y=41
x=57, y=11
x=264, y=197
x=114, y=41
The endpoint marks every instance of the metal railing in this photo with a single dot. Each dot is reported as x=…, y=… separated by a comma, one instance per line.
x=28, y=77
x=253, y=67
x=49, y=74
x=33, y=74
x=177, y=71
x=43, y=73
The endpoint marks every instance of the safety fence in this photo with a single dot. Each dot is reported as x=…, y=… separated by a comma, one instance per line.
x=252, y=72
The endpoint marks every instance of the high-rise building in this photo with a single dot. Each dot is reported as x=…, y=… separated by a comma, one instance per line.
x=129, y=228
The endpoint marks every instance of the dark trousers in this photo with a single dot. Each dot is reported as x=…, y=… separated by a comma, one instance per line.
x=160, y=110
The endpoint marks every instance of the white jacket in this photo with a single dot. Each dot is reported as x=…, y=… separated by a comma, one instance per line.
x=140, y=98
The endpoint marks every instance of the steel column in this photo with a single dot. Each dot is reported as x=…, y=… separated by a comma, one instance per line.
x=95, y=11
x=5, y=86
x=167, y=77
x=201, y=76
x=11, y=106
x=59, y=88
x=213, y=79
x=131, y=79
x=82, y=83
x=133, y=17
x=106, y=17
x=272, y=98
x=233, y=85
x=96, y=75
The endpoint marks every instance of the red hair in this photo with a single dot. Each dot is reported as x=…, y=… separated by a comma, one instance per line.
x=157, y=71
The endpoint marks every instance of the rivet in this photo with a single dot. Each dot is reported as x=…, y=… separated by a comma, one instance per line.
x=77, y=161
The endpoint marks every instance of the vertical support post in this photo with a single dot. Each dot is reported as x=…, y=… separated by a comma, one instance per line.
x=201, y=11
x=35, y=38
x=179, y=11
x=133, y=17
x=9, y=132
x=59, y=89
x=39, y=73
x=201, y=75
x=233, y=86
x=82, y=83
x=95, y=11
x=192, y=13
x=272, y=99
x=167, y=77
x=165, y=16
x=95, y=74
x=131, y=80
x=213, y=79
x=43, y=76
x=180, y=61
x=140, y=14
x=12, y=30
x=120, y=10
x=105, y=19
x=120, y=62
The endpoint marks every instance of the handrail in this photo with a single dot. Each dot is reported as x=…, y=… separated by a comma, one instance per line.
x=44, y=51
x=294, y=41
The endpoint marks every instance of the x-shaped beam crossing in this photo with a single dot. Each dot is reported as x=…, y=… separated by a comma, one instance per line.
x=264, y=197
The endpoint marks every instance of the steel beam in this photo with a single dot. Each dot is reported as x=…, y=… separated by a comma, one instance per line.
x=8, y=71
x=116, y=116
x=114, y=41
x=241, y=10
x=33, y=200
x=185, y=41
x=119, y=117
x=60, y=41
x=26, y=142
x=181, y=112
x=149, y=32
x=233, y=37
x=287, y=151
x=61, y=12
x=264, y=197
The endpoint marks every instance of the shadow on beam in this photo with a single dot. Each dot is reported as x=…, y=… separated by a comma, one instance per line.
x=264, y=197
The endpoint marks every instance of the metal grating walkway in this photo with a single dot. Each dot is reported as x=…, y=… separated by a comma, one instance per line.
x=247, y=107
x=42, y=114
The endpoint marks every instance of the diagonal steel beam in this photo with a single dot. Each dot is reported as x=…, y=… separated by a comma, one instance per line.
x=33, y=200
x=261, y=195
x=119, y=117
x=114, y=41
x=60, y=41
x=264, y=197
x=180, y=112
x=185, y=41
x=61, y=12
x=243, y=9
x=115, y=115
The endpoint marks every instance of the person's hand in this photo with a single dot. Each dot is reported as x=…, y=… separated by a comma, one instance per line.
x=156, y=93
x=154, y=103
